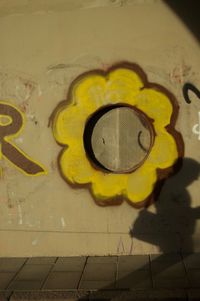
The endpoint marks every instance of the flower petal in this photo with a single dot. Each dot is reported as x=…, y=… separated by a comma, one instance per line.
x=141, y=184
x=156, y=105
x=122, y=86
x=89, y=92
x=164, y=152
x=105, y=186
x=75, y=166
x=69, y=125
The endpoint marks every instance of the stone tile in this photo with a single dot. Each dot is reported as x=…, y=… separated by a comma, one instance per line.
x=102, y=259
x=5, y=279
x=3, y=297
x=11, y=264
x=34, y=272
x=135, y=279
x=136, y=295
x=192, y=260
x=193, y=294
x=62, y=280
x=168, y=258
x=41, y=260
x=171, y=282
x=167, y=295
x=69, y=264
x=6, y=294
x=100, y=272
x=166, y=270
x=133, y=262
x=115, y=295
x=25, y=285
x=152, y=295
x=91, y=285
x=105, y=295
x=140, y=295
x=49, y=296
x=194, y=277
x=167, y=265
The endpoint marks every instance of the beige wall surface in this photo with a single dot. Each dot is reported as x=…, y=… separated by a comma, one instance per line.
x=43, y=48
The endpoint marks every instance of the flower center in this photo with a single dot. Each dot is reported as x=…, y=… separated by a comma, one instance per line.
x=118, y=138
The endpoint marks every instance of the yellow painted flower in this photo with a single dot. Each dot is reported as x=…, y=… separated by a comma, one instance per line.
x=123, y=85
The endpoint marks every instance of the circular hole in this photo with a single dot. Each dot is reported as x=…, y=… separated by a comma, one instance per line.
x=118, y=138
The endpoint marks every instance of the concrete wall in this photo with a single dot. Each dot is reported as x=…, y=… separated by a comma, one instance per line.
x=44, y=46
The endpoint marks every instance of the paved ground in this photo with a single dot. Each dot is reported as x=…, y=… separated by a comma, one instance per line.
x=139, y=277
x=138, y=295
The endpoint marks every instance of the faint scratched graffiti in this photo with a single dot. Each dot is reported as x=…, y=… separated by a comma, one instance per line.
x=196, y=128
x=188, y=87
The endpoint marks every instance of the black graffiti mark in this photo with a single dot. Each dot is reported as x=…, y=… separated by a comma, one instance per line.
x=190, y=87
x=140, y=143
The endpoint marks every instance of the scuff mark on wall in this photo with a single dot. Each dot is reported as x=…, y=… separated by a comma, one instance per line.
x=35, y=242
x=196, y=127
x=120, y=247
x=180, y=72
x=51, y=6
x=20, y=221
x=63, y=222
x=17, y=86
x=62, y=73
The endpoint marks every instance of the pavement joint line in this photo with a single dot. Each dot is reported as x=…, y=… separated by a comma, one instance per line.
x=185, y=268
x=79, y=282
x=18, y=271
x=150, y=272
x=117, y=271
x=48, y=275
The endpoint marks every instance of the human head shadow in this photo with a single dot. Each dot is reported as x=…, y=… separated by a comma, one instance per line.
x=170, y=228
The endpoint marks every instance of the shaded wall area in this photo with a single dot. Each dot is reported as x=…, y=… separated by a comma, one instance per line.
x=188, y=11
x=172, y=226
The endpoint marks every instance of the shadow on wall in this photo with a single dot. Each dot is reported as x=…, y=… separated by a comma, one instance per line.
x=170, y=228
x=188, y=11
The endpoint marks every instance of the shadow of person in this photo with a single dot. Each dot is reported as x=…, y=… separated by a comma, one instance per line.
x=172, y=225
x=170, y=228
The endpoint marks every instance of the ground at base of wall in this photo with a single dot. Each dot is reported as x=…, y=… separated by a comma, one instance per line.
x=172, y=276
x=112, y=295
